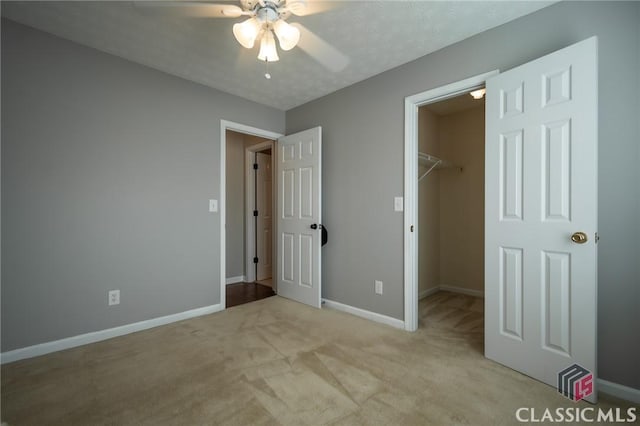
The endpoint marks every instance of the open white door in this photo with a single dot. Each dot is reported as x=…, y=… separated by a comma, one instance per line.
x=299, y=216
x=541, y=195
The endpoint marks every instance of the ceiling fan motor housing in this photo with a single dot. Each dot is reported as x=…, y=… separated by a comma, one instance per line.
x=267, y=10
x=267, y=15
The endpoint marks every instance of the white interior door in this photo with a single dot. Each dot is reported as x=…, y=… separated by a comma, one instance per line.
x=264, y=219
x=299, y=212
x=541, y=188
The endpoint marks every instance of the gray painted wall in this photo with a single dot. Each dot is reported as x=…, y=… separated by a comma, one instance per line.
x=363, y=164
x=107, y=167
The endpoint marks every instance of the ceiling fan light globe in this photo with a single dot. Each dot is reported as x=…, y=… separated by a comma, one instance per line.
x=268, y=52
x=288, y=35
x=246, y=32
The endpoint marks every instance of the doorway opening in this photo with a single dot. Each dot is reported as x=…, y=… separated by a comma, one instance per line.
x=250, y=218
x=298, y=229
x=451, y=140
x=411, y=187
x=247, y=225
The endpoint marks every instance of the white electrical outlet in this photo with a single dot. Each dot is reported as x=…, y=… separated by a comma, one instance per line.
x=378, y=286
x=114, y=297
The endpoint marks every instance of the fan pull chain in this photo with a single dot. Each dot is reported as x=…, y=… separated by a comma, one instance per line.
x=266, y=67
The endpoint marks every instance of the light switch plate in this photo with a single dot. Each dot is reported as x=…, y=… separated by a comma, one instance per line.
x=213, y=206
x=398, y=204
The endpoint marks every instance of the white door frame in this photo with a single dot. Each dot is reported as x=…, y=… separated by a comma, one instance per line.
x=250, y=190
x=248, y=130
x=411, y=105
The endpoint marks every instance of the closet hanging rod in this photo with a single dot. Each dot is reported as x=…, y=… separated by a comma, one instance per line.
x=432, y=162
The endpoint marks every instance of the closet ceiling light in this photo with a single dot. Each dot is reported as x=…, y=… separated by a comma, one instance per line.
x=478, y=94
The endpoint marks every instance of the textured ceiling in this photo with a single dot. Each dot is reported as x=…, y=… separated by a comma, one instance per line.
x=374, y=35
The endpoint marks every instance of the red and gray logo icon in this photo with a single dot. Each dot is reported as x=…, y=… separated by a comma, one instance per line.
x=575, y=382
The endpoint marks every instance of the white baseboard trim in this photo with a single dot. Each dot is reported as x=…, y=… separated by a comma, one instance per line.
x=372, y=316
x=428, y=292
x=469, y=292
x=97, y=336
x=233, y=280
x=619, y=391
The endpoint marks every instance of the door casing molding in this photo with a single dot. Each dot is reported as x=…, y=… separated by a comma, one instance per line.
x=247, y=130
x=411, y=105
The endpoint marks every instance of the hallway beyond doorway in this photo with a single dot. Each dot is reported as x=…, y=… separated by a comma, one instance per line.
x=241, y=293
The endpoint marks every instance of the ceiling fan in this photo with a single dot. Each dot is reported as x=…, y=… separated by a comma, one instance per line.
x=266, y=22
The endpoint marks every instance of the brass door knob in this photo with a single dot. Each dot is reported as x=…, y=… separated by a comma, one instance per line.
x=579, y=237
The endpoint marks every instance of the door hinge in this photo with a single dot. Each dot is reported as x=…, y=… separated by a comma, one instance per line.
x=597, y=238
x=255, y=213
x=255, y=166
x=411, y=228
x=255, y=260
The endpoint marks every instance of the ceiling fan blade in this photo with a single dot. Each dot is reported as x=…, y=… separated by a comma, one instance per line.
x=326, y=54
x=192, y=9
x=308, y=7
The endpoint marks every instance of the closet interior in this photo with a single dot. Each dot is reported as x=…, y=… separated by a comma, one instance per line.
x=451, y=209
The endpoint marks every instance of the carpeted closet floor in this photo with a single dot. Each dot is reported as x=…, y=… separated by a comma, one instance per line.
x=279, y=362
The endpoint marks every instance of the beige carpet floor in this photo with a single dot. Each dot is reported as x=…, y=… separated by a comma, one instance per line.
x=279, y=362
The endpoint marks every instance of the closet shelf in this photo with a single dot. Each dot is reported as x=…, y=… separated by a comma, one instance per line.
x=433, y=163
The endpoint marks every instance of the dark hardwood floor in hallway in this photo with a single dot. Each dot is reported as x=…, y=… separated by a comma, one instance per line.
x=241, y=293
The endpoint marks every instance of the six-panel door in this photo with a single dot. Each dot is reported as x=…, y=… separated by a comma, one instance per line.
x=541, y=188
x=299, y=207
